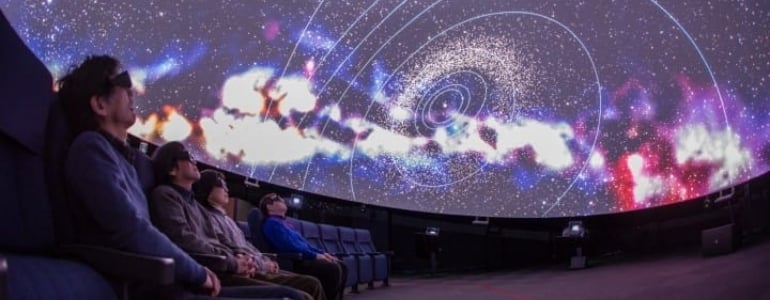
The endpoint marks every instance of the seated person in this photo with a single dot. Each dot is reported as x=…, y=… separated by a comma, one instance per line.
x=175, y=212
x=324, y=266
x=211, y=191
x=109, y=208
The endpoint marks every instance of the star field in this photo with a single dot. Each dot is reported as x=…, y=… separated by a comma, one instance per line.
x=482, y=108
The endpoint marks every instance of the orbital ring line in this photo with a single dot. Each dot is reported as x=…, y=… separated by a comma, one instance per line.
x=332, y=48
x=486, y=93
x=307, y=169
x=345, y=33
x=454, y=88
x=337, y=70
x=485, y=96
x=293, y=51
x=702, y=58
x=285, y=67
x=363, y=40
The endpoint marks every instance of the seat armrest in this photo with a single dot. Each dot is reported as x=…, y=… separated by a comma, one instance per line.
x=288, y=256
x=217, y=263
x=3, y=279
x=122, y=265
x=386, y=253
x=286, y=260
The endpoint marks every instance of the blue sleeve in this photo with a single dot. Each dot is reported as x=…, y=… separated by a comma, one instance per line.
x=94, y=178
x=284, y=239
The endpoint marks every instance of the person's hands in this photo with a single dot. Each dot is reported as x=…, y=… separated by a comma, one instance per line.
x=326, y=257
x=272, y=267
x=246, y=265
x=332, y=257
x=212, y=285
x=322, y=257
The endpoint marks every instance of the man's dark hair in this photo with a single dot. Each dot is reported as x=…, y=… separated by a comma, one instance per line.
x=267, y=200
x=164, y=160
x=209, y=180
x=75, y=89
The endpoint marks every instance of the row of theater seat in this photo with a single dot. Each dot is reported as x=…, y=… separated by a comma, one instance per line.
x=353, y=246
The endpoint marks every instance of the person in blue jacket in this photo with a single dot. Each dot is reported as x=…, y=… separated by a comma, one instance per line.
x=284, y=238
x=108, y=204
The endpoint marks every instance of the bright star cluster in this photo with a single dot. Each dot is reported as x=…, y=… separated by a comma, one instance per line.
x=516, y=108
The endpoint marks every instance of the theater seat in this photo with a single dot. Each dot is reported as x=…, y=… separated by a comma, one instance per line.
x=359, y=265
x=365, y=261
x=244, y=226
x=381, y=259
x=312, y=234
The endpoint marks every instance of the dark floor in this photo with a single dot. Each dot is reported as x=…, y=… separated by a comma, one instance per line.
x=684, y=274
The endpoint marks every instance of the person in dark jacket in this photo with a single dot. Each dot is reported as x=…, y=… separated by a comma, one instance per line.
x=211, y=191
x=284, y=238
x=108, y=205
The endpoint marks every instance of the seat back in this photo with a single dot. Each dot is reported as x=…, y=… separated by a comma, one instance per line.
x=58, y=139
x=330, y=238
x=312, y=234
x=348, y=240
x=365, y=263
x=244, y=226
x=257, y=238
x=25, y=95
x=144, y=170
x=364, y=241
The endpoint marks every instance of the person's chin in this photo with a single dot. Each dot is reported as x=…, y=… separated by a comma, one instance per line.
x=132, y=120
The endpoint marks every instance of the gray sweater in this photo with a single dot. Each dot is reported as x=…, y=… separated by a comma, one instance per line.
x=231, y=235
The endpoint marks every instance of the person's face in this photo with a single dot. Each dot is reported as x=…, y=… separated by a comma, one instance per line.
x=219, y=195
x=186, y=168
x=278, y=207
x=118, y=106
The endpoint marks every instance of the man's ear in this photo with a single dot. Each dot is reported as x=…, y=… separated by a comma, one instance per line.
x=98, y=106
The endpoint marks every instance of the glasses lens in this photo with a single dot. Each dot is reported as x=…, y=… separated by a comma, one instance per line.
x=122, y=80
x=184, y=155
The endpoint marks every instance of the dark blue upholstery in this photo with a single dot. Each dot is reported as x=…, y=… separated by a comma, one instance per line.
x=143, y=166
x=360, y=266
x=365, y=261
x=244, y=226
x=34, y=277
x=26, y=226
x=25, y=86
x=311, y=233
x=381, y=260
x=256, y=238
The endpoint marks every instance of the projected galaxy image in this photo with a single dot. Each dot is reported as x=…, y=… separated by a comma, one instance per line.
x=516, y=108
